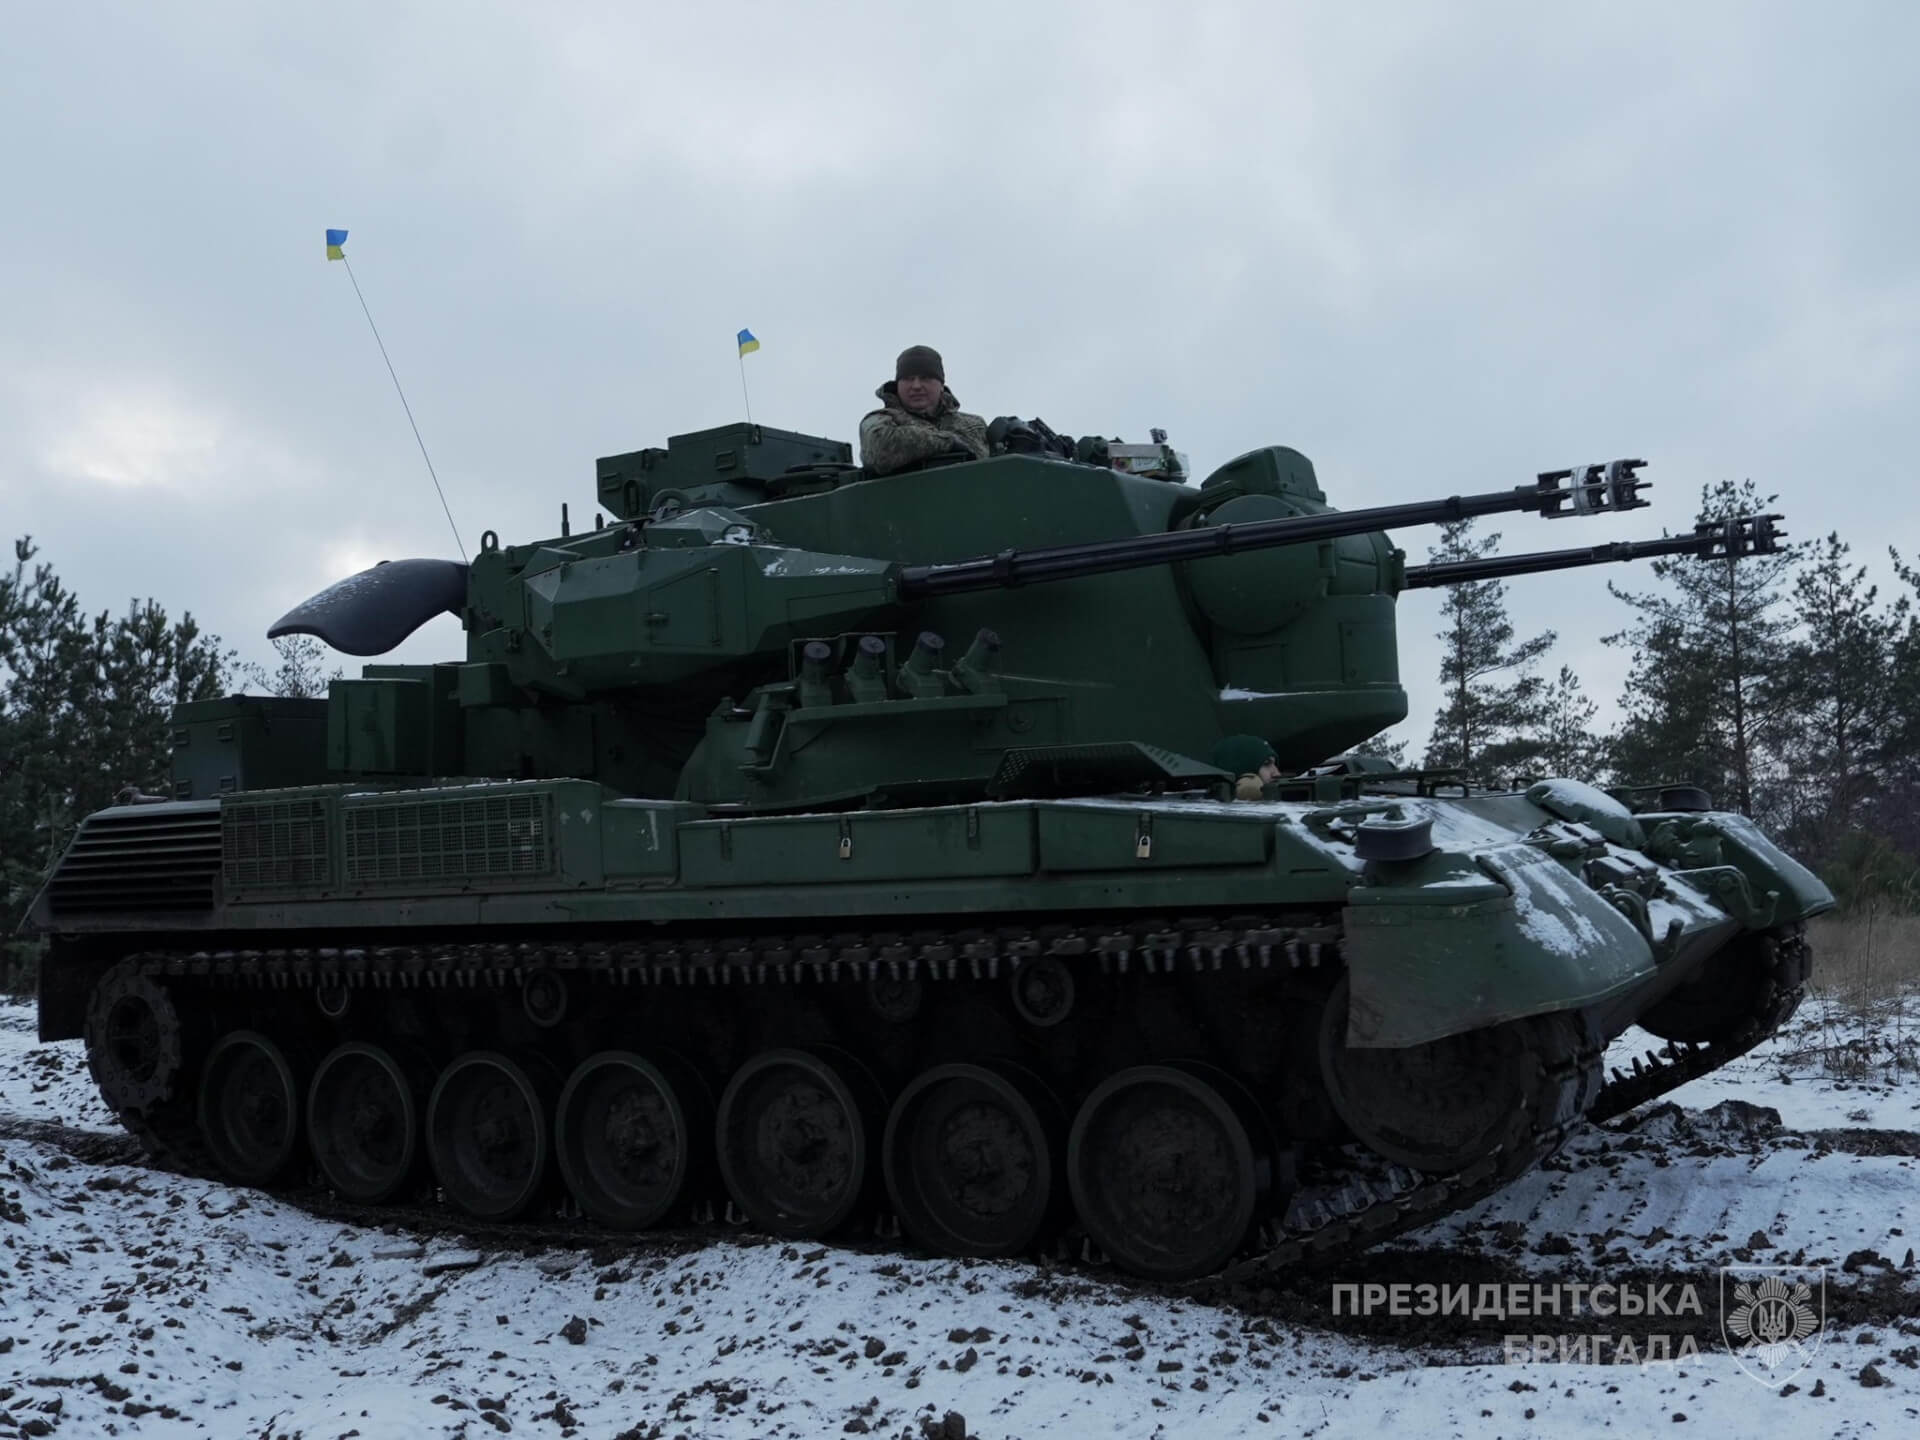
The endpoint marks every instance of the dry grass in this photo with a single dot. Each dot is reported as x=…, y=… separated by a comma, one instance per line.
x=1866, y=968
x=1865, y=959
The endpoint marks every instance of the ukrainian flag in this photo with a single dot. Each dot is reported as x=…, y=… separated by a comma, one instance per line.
x=335, y=240
x=747, y=343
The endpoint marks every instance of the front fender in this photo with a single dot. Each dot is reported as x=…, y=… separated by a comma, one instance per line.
x=1462, y=951
x=1769, y=868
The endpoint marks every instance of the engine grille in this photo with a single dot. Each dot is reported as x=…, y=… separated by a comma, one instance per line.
x=275, y=845
x=144, y=857
x=482, y=837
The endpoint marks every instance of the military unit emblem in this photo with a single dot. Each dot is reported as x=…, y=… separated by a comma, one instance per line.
x=1774, y=1319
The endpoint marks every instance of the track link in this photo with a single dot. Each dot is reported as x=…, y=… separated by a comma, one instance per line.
x=1789, y=962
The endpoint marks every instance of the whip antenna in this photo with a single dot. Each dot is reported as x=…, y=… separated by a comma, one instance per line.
x=336, y=250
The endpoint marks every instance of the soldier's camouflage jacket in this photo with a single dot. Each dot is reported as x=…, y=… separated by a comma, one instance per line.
x=893, y=437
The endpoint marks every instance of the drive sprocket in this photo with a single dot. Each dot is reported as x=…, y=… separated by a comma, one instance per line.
x=136, y=1043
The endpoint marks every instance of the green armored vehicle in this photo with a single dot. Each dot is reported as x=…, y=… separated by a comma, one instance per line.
x=838, y=850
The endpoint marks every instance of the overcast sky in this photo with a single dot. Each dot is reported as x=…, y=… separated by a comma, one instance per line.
x=1436, y=247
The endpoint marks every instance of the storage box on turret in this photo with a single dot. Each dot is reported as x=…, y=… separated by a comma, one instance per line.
x=247, y=742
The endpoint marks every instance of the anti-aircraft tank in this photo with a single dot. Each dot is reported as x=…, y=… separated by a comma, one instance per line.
x=829, y=849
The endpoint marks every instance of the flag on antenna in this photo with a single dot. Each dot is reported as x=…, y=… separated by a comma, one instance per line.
x=336, y=239
x=747, y=343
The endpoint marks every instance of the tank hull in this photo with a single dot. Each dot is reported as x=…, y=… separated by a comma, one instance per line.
x=1151, y=1021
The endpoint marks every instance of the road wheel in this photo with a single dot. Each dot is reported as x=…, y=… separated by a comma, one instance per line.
x=250, y=1108
x=1170, y=1166
x=488, y=1134
x=972, y=1155
x=363, y=1122
x=632, y=1136
x=795, y=1132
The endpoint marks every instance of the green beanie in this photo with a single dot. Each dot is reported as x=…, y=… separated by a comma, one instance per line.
x=1242, y=755
x=921, y=361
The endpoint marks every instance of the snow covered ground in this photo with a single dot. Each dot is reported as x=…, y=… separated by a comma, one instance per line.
x=136, y=1302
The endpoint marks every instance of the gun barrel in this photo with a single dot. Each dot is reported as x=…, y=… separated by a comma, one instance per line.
x=1729, y=539
x=1587, y=490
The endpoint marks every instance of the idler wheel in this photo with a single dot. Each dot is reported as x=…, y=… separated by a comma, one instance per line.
x=632, y=1137
x=134, y=1040
x=363, y=1122
x=1169, y=1166
x=794, y=1133
x=972, y=1156
x=249, y=1108
x=1435, y=1107
x=488, y=1134
x=1755, y=981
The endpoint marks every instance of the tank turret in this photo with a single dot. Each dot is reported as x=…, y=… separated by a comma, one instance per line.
x=762, y=625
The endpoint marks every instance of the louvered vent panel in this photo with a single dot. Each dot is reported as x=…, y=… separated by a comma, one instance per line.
x=275, y=845
x=147, y=857
x=482, y=837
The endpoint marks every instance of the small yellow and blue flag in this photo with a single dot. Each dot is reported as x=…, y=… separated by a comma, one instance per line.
x=336, y=239
x=747, y=343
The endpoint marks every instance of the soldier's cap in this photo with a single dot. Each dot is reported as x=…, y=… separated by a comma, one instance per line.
x=919, y=361
x=1242, y=754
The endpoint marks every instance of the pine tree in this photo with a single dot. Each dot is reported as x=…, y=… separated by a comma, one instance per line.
x=1703, y=700
x=1494, y=697
x=143, y=665
x=1838, y=702
x=1895, y=811
x=45, y=701
x=299, y=676
x=1565, y=742
x=84, y=709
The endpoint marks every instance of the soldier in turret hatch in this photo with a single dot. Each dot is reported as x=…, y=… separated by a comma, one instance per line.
x=919, y=418
x=1252, y=763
